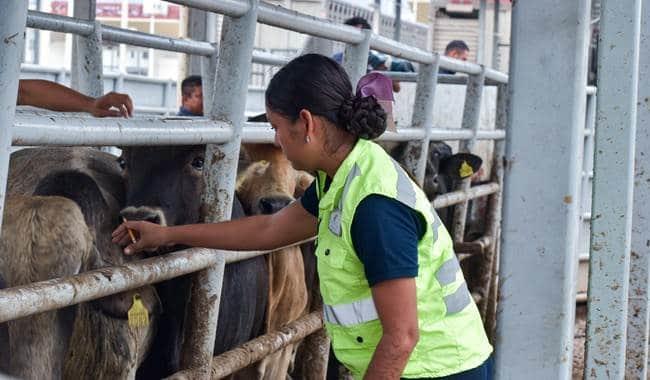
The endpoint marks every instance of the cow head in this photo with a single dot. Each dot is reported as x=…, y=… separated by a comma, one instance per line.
x=443, y=169
x=270, y=182
x=163, y=183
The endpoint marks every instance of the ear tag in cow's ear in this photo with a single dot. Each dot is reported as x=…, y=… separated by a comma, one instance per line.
x=465, y=170
x=138, y=315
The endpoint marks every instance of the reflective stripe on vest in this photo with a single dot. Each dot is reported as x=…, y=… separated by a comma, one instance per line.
x=405, y=190
x=351, y=313
x=458, y=300
x=404, y=193
x=446, y=274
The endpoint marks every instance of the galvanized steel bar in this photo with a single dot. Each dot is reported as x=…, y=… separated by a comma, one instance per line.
x=442, y=78
x=396, y=49
x=423, y=111
x=455, y=197
x=609, y=263
x=38, y=297
x=82, y=27
x=73, y=130
x=280, y=17
x=418, y=151
x=638, y=310
x=12, y=40
x=57, y=23
x=355, y=58
x=271, y=15
x=262, y=133
x=22, y=301
x=229, y=102
x=230, y=8
x=87, y=68
x=208, y=78
x=495, y=206
x=45, y=128
x=260, y=347
x=537, y=268
x=471, y=121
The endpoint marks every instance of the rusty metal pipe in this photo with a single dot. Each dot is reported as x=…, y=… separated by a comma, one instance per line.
x=25, y=300
x=459, y=196
x=260, y=347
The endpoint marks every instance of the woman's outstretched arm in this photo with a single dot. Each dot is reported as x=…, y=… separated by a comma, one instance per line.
x=287, y=226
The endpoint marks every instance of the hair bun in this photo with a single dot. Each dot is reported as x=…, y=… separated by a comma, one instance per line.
x=363, y=117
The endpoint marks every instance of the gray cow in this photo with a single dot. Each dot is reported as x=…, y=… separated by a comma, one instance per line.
x=62, y=206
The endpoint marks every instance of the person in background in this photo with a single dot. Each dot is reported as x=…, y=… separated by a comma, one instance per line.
x=359, y=23
x=192, y=96
x=456, y=49
x=56, y=97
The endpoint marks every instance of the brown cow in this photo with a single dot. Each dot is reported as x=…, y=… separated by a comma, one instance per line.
x=267, y=185
x=47, y=236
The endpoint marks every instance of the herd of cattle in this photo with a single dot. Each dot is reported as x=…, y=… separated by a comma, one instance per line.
x=62, y=204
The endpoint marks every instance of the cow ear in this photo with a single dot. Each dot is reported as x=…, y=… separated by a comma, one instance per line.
x=460, y=165
x=303, y=181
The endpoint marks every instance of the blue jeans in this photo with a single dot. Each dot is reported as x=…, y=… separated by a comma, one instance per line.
x=482, y=372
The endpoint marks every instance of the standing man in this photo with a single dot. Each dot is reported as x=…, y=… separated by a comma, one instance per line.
x=456, y=49
x=192, y=96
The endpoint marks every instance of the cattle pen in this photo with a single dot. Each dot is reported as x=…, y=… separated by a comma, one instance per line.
x=553, y=134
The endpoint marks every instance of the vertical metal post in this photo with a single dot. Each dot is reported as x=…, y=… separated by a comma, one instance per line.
x=86, y=71
x=355, y=59
x=480, y=54
x=12, y=40
x=196, y=30
x=471, y=120
x=169, y=96
x=208, y=73
x=229, y=102
x=425, y=92
x=398, y=20
x=209, y=64
x=638, y=310
x=611, y=222
x=491, y=263
x=496, y=36
x=535, y=315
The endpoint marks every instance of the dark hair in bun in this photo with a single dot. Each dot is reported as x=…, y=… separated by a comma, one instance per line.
x=363, y=117
x=319, y=84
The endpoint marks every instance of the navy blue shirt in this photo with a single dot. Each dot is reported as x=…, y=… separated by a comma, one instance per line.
x=185, y=112
x=385, y=235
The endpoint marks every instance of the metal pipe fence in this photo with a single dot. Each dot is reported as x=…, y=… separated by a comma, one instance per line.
x=223, y=131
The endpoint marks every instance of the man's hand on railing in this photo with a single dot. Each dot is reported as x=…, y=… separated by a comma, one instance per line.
x=56, y=97
x=112, y=104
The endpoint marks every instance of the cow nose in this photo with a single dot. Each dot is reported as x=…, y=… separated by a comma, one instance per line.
x=270, y=205
x=148, y=214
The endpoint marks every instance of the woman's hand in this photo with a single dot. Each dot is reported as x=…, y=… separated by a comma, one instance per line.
x=148, y=236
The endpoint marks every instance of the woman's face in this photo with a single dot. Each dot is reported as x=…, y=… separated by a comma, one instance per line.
x=291, y=138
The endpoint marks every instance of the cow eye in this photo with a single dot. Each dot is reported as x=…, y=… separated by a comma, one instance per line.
x=122, y=162
x=197, y=163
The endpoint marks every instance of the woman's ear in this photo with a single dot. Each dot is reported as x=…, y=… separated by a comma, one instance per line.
x=308, y=119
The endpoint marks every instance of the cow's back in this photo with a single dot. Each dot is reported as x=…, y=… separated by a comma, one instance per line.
x=28, y=167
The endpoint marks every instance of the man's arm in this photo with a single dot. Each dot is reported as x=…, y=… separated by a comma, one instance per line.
x=396, y=305
x=56, y=97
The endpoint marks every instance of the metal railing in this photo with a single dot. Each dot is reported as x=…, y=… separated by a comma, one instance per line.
x=224, y=129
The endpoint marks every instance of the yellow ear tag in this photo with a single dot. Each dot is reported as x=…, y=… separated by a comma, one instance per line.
x=138, y=315
x=465, y=170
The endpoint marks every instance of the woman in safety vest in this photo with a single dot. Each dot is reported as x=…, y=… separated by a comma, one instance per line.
x=395, y=300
